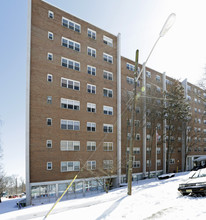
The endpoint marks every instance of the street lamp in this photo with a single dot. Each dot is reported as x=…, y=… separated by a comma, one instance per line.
x=167, y=25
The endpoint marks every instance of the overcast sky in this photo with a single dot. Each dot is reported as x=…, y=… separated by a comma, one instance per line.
x=181, y=53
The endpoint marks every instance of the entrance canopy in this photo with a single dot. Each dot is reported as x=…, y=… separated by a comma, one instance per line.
x=200, y=158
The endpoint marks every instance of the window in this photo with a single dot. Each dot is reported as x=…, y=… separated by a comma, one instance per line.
x=204, y=121
x=158, y=162
x=49, y=165
x=91, y=33
x=148, y=86
x=149, y=149
x=51, y=14
x=91, y=126
x=71, y=25
x=130, y=67
x=130, y=80
x=136, y=150
x=137, y=137
x=107, y=75
x=70, y=125
x=108, y=146
x=148, y=74
x=71, y=64
x=108, y=41
x=91, y=145
x=108, y=164
x=149, y=163
x=158, y=150
x=70, y=104
x=91, y=165
x=70, y=145
x=158, y=79
x=49, y=143
x=91, y=52
x=108, y=128
x=71, y=44
x=49, y=99
x=91, y=88
x=91, y=107
x=137, y=109
x=91, y=70
x=172, y=161
x=107, y=110
x=70, y=84
x=50, y=36
x=158, y=89
x=136, y=164
x=49, y=78
x=179, y=139
x=108, y=58
x=136, y=123
x=67, y=166
x=50, y=56
x=148, y=137
x=148, y=124
x=49, y=121
x=108, y=92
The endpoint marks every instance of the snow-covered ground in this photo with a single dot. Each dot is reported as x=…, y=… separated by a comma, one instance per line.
x=151, y=199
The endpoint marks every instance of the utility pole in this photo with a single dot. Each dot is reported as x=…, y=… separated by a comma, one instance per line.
x=132, y=126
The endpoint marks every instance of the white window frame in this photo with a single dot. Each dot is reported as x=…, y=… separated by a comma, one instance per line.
x=50, y=35
x=49, y=99
x=75, y=84
x=107, y=110
x=47, y=121
x=91, y=33
x=158, y=78
x=107, y=128
x=91, y=106
x=108, y=146
x=91, y=52
x=91, y=146
x=49, y=77
x=74, y=163
x=49, y=165
x=50, y=56
x=135, y=164
x=148, y=74
x=108, y=40
x=70, y=64
x=107, y=75
x=93, y=88
x=107, y=164
x=69, y=102
x=73, y=45
x=172, y=161
x=91, y=126
x=108, y=58
x=136, y=150
x=130, y=80
x=138, y=137
x=71, y=25
x=130, y=66
x=51, y=14
x=67, y=123
x=68, y=145
x=109, y=93
x=49, y=143
x=91, y=70
x=91, y=165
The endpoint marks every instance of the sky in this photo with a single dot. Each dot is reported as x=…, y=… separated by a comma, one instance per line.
x=150, y=199
x=180, y=53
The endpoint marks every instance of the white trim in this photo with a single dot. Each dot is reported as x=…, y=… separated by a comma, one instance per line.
x=27, y=154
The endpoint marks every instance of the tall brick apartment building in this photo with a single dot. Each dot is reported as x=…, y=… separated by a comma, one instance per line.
x=78, y=88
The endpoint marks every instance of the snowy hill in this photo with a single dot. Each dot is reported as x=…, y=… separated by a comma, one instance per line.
x=151, y=199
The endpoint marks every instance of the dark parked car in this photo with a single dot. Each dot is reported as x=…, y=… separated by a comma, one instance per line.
x=196, y=185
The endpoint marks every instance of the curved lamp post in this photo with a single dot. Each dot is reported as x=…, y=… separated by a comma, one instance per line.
x=167, y=25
